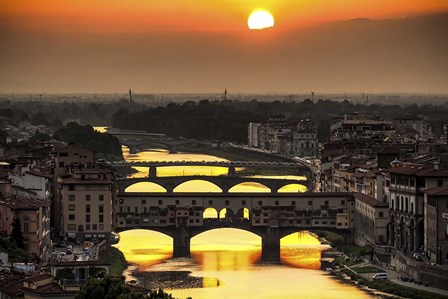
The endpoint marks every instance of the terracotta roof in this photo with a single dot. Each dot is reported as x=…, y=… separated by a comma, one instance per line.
x=79, y=263
x=26, y=203
x=441, y=191
x=85, y=182
x=38, y=277
x=369, y=200
x=48, y=289
x=416, y=170
x=13, y=289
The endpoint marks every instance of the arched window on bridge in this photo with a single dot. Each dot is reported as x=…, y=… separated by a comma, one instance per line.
x=146, y=187
x=210, y=213
x=243, y=214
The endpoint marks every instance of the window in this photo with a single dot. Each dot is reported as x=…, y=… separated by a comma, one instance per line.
x=121, y=201
x=243, y=203
x=439, y=183
x=227, y=202
x=88, y=197
x=25, y=226
x=260, y=203
x=310, y=202
x=193, y=202
x=342, y=202
x=276, y=202
x=71, y=216
x=71, y=187
x=87, y=208
x=101, y=198
x=381, y=214
x=160, y=202
x=101, y=218
x=135, y=210
x=326, y=202
x=94, y=226
x=293, y=203
x=128, y=209
x=101, y=209
x=87, y=226
x=61, y=164
x=100, y=226
x=71, y=207
x=210, y=202
x=71, y=227
x=177, y=201
x=71, y=197
x=88, y=218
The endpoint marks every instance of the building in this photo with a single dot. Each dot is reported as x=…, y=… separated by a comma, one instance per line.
x=305, y=143
x=371, y=220
x=359, y=127
x=34, y=181
x=436, y=224
x=415, y=127
x=86, y=204
x=257, y=135
x=63, y=158
x=408, y=183
x=34, y=216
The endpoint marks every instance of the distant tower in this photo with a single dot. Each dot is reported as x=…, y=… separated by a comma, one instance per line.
x=225, y=94
x=312, y=96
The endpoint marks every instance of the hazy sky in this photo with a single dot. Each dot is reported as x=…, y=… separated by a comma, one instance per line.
x=63, y=46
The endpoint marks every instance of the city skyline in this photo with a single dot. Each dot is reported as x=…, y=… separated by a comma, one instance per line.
x=383, y=46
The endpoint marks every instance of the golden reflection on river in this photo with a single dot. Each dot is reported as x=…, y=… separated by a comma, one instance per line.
x=227, y=259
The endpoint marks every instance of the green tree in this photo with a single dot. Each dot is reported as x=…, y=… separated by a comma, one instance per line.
x=115, y=288
x=16, y=236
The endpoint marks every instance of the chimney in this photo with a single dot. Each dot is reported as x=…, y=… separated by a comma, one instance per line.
x=436, y=165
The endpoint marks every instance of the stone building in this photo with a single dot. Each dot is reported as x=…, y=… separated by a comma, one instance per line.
x=408, y=183
x=371, y=220
x=86, y=205
x=436, y=224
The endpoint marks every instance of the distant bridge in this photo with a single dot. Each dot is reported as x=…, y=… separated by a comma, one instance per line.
x=231, y=165
x=134, y=139
x=270, y=216
x=225, y=183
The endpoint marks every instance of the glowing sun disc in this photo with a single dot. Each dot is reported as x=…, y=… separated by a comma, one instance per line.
x=260, y=19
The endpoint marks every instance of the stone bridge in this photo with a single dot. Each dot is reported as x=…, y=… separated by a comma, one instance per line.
x=270, y=216
x=134, y=139
x=225, y=183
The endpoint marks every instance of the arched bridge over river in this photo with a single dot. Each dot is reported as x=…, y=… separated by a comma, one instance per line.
x=270, y=216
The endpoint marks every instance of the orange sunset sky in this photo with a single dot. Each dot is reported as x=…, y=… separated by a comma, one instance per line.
x=63, y=46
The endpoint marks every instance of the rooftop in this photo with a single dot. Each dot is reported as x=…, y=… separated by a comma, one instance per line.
x=438, y=191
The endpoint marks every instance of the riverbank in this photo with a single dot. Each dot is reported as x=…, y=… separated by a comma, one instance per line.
x=115, y=257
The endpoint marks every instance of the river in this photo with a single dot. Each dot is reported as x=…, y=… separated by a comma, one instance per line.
x=225, y=262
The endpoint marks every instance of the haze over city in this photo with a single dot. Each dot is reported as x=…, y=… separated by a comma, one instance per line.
x=176, y=46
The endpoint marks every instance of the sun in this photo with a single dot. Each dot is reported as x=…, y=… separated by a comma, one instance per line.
x=260, y=19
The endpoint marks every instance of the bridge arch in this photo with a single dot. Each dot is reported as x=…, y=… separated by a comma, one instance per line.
x=254, y=187
x=146, y=187
x=206, y=185
x=292, y=188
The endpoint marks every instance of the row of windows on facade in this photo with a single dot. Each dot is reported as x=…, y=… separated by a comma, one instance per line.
x=408, y=181
x=402, y=204
x=72, y=217
x=93, y=227
x=368, y=210
x=88, y=197
x=257, y=221
x=88, y=207
x=227, y=202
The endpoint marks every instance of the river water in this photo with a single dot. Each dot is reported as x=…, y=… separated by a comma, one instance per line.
x=225, y=262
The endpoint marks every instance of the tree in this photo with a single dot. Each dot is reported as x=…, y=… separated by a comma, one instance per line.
x=16, y=236
x=115, y=288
